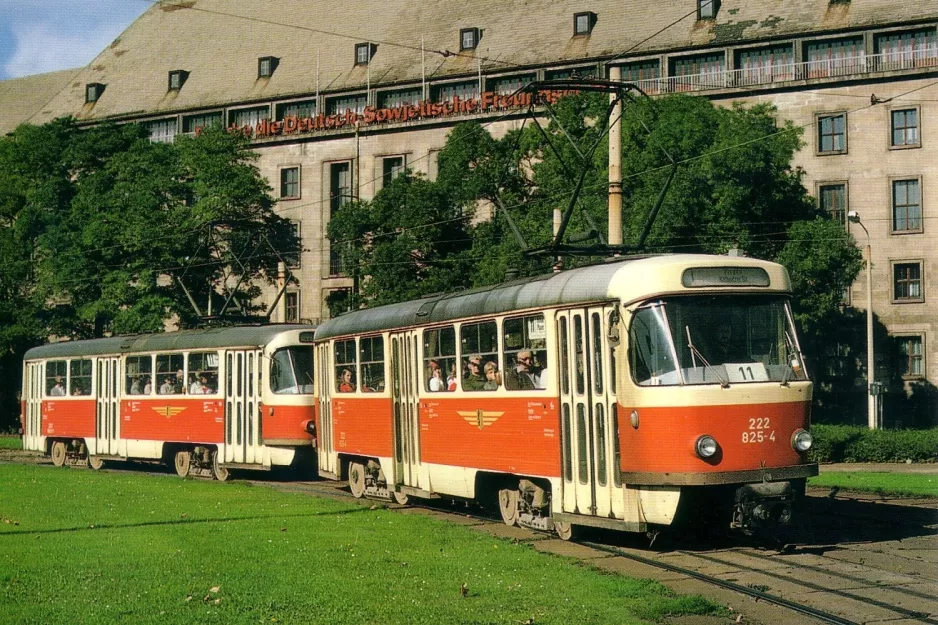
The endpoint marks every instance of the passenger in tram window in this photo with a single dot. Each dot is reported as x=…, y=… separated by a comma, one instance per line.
x=539, y=372
x=76, y=391
x=59, y=389
x=179, y=385
x=436, y=383
x=493, y=378
x=451, y=380
x=196, y=387
x=474, y=381
x=346, y=385
x=207, y=387
x=520, y=377
x=168, y=387
x=148, y=387
x=136, y=386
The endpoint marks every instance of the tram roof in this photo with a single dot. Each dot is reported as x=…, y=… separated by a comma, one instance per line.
x=621, y=280
x=208, y=338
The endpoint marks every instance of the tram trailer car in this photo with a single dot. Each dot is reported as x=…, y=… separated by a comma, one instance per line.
x=625, y=395
x=203, y=401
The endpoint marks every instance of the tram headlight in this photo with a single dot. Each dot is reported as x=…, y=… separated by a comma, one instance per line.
x=706, y=446
x=801, y=440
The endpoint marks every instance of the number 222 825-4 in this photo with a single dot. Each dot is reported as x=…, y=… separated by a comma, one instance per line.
x=759, y=431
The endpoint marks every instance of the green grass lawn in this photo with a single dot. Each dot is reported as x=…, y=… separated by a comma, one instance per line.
x=912, y=484
x=77, y=546
x=11, y=441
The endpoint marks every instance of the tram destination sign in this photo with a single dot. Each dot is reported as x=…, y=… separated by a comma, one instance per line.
x=697, y=277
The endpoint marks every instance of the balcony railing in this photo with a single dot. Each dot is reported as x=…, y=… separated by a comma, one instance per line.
x=826, y=68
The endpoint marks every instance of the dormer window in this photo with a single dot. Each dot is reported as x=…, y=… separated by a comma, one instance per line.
x=364, y=52
x=93, y=91
x=469, y=38
x=177, y=78
x=266, y=65
x=707, y=9
x=583, y=23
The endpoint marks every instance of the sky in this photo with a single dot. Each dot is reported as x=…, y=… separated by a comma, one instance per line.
x=38, y=36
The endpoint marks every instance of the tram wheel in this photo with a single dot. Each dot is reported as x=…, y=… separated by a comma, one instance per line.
x=508, y=506
x=183, y=462
x=58, y=453
x=356, y=479
x=95, y=462
x=401, y=498
x=220, y=473
x=564, y=530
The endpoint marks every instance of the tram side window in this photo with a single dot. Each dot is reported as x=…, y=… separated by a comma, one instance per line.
x=203, y=373
x=139, y=375
x=291, y=371
x=56, y=378
x=345, y=366
x=80, y=377
x=525, y=348
x=170, y=378
x=479, y=349
x=439, y=359
x=371, y=350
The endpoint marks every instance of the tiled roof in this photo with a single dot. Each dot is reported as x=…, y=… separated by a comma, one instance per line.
x=20, y=98
x=219, y=42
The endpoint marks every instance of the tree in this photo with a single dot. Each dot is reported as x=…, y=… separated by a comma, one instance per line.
x=99, y=228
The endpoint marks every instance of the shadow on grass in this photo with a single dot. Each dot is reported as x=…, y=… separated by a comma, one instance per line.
x=111, y=526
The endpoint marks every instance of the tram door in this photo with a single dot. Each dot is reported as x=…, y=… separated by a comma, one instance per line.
x=32, y=433
x=242, y=394
x=325, y=448
x=107, y=421
x=587, y=415
x=405, y=373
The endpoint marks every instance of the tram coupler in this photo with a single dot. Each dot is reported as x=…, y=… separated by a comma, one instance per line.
x=762, y=505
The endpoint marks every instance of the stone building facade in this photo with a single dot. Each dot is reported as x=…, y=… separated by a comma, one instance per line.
x=338, y=100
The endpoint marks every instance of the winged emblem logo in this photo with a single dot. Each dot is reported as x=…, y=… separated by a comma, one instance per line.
x=168, y=411
x=480, y=418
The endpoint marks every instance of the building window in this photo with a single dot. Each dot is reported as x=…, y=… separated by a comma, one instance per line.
x=507, y=85
x=291, y=304
x=392, y=167
x=93, y=91
x=832, y=133
x=833, y=199
x=707, y=9
x=290, y=183
x=907, y=282
x=195, y=123
x=905, y=128
x=913, y=363
x=249, y=117
x=468, y=90
x=162, y=130
x=292, y=257
x=469, y=38
x=765, y=65
x=177, y=78
x=906, y=206
x=340, y=185
x=570, y=72
x=301, y=109
x=908, y=49
x=583, y=23
x=354, y=103
x=433, y=165
x=835, y=57
x=266, y=65
x=364, y=52
x=396, y=99
x=695, y=72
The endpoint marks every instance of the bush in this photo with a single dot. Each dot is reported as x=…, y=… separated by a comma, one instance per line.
x=844, y=443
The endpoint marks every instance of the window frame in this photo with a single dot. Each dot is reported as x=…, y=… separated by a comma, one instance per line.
x=894, y=265
x=338, y=365
x=893, y=180
x=463, y=354
x=295, y=296
x=272, y=63
x=906, y=338
x=93, y=91
x=128, y=380
x=368, y=48
x=526, y=345
x=284, y=169
x=383, y=362
x=892, y=127
x=818, y=118
x=590, y=22
x=180, y=75
x=820, y=185
x=712, y=12
x=216, y=372
x=476, y=34
x=47, y=377
x=388, y=176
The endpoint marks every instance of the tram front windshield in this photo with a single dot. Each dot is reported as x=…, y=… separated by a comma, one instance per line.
x=718, y=339
x=291, y=371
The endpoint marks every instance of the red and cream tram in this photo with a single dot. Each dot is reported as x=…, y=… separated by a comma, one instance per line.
x=616, y=395
x=203, y=400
